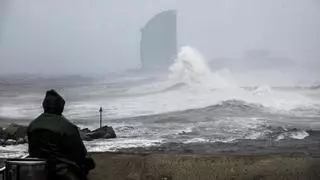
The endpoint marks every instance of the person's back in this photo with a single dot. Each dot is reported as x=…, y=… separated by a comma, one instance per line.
x=52, y=137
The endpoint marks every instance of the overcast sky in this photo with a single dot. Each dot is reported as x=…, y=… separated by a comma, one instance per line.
x=86, y=36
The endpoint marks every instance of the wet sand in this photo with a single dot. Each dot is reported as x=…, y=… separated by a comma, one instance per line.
x=155, y=166
x=125, y=166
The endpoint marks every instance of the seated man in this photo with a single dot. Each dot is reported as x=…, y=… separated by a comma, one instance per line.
x=52, y=137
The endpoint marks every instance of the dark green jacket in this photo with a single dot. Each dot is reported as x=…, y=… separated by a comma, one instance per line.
x=52, y=137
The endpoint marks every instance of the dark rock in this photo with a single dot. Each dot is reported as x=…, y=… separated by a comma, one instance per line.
x=21, y=141
x=17, y=134
x=15, y=131
x=84, y=132
x=105, y=132
x=22, y=132
x=10, y=142
x=2, y=142
x=13, y=134
x=2, y=133
x=26, y=139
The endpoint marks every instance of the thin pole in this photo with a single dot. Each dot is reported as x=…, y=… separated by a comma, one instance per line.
x=100, y=110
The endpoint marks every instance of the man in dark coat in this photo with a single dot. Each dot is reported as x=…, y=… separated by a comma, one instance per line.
x=53, y=138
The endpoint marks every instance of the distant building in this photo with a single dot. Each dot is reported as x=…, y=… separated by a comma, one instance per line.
x=158, y=46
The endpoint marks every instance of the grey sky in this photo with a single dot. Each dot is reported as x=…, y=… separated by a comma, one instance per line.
x=82, y=36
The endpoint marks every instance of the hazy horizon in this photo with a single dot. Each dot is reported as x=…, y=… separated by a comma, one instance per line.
x=99, y=37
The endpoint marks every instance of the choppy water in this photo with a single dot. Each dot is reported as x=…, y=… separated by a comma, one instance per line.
x=189, y=105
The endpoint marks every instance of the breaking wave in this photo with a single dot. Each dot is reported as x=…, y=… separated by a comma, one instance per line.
x=191, y=68
x=190, y=104
x=191, y=84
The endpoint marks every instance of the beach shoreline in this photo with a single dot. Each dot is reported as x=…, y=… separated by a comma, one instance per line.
x=154, y=166
x=146, y=166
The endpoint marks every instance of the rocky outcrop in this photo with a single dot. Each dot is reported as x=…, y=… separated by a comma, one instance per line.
x=106, y=132
x=84, y=132
x=15, y=131
x=1, y=132
x=12, y=135
x=16, y=134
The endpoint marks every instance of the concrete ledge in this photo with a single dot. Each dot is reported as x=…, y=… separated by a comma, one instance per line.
x=118, y=166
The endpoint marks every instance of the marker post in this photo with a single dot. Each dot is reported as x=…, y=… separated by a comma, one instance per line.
x=100, y=111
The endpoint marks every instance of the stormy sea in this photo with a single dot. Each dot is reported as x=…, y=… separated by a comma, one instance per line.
x=189, y=109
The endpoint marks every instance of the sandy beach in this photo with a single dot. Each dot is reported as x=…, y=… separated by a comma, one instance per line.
x=126, y=166
x=156, y=166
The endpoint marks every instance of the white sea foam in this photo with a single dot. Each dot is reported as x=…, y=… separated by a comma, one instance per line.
x=191, y=68
x=13, y=151
x=294, y=135
x=196, y=140
x=201, y=87
x=114, y=145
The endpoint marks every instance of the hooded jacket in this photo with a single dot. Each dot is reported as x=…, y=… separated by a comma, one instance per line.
x=52, y=137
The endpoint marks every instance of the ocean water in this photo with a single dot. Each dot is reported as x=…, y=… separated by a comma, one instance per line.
x=190, y=104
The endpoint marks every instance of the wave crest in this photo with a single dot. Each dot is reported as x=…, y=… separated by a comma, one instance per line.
x=191, y=68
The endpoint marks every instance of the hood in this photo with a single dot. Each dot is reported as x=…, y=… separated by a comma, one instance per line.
x=53, y=103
